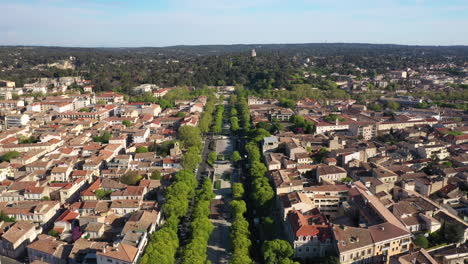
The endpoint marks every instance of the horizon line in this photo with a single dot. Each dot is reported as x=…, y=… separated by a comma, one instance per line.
x=233, y=44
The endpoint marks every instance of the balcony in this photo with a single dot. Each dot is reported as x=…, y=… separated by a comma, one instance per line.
x=404, y=243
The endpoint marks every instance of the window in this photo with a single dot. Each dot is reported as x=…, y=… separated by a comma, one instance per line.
x=109, y=260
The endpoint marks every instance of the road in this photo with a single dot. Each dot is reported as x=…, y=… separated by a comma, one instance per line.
x=219, y=244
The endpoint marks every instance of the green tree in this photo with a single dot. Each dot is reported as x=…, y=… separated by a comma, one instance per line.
x=392, y=105
x=180, y=114
x=259, y=134
x=4, y=217
x=103, y=194
x=127, y=123
x=240, y=234
x=236, y=157
x=253, y=152
x=375, y=107
x=257, y=169
x=131, y=178
x=10, y=155
x=277, y=251
x=453, y=232
x=156, y=175
x=287, y=103
x=190, y=136
x=237, y=191
x=346, y=180
x=421, y=241
x=103, y=138
x=234, y=124
x=163, y=244
x=191, y=160
x=262, y=191
x=53, y=233
x=320, y=155
x=141, y=149
x=85, y=109
x=211, y=158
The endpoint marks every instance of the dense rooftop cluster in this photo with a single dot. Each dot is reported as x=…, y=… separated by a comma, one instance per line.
x=353, y=154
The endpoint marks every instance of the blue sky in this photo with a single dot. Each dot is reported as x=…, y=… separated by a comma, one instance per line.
x=135, y=23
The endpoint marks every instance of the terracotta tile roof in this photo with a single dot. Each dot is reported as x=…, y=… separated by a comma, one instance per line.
x=68, y=216
x=17, y=231
x=122, y=252
x=309, y=225
x=50, y=246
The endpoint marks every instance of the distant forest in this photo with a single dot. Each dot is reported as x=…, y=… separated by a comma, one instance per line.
x=276, y=65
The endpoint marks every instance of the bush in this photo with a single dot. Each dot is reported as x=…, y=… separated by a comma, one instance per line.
x=53, y=233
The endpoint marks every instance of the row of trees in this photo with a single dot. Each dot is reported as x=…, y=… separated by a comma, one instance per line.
x=164, y=243
x=234, y=120
x=261, y=192
x=240, y=228
x=240, y=233
x=218, y=119
x=207, y=116
x=201, y=227
x=194, y=252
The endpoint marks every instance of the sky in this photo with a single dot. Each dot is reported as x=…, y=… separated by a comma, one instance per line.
x=156, y=23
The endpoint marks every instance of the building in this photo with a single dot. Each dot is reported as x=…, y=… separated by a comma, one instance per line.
x=364, y=130
x=120, y=254
x=17, y=237
x=270, y=144
x=16, y=120
x=310, y=234
x=48, y=250
x=110, y=97
x=34, y=211
x=328, y=198
x=253, y=53
x=330, y=173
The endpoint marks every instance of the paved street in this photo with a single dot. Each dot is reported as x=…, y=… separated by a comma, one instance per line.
x=219, y=242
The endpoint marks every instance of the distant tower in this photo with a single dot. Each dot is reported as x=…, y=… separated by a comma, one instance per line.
x=253, y=53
